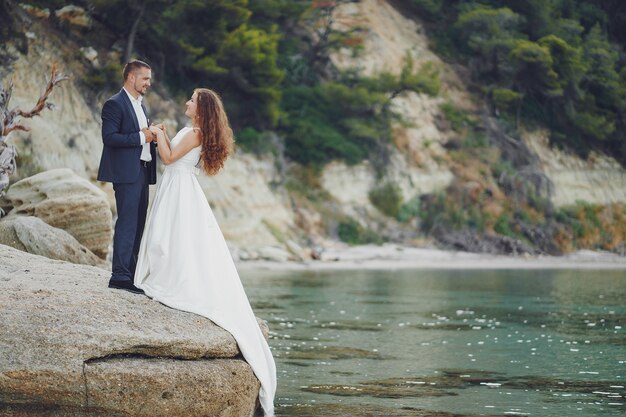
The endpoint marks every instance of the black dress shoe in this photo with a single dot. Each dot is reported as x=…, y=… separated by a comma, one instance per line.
x=125, y=285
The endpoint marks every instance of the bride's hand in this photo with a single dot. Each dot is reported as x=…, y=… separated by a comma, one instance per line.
x=158, y=132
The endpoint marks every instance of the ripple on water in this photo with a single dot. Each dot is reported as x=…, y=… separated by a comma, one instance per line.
x=343, y=410
x=377, y=391
x=331, y=352
x=448, y=381
x=350, y=325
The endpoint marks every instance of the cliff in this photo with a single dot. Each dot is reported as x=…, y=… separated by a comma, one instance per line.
x=259, y=215
x=421, y=164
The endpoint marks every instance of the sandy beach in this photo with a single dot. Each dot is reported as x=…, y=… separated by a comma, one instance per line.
x=391, y=256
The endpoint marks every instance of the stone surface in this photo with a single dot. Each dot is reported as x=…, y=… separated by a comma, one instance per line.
x=418, y=163
x=250, y=213
x=74, y=15
x=72, y=345
x=66, y=201
x=599, y=179
x=274, y=253
x=31, y=234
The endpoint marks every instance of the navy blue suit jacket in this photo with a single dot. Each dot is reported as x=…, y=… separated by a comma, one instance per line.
x=122, y=144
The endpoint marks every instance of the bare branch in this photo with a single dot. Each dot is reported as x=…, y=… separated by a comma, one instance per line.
x=41, y=103
x=11, y=128
x=9, y=121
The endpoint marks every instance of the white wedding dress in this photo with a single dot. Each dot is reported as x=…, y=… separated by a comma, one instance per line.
x=184, y=263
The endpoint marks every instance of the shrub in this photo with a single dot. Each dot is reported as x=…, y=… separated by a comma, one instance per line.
x=351, y=232
x=251, y=140
x=409, y=209
x=387, y=198
x=458, y=118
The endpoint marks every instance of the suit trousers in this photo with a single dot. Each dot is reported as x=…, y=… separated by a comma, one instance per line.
x=131, y=200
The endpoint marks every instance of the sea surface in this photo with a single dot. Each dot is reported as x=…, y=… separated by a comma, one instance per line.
x=446, y=343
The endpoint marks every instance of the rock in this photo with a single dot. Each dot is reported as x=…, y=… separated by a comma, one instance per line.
x=74, y=15
x=65, y=201
x=36, y=11
x=470, y=241
x=31, y=234
x=249, y=212
x=309, y=221
x=598, y=179
x=297, y=251
x=91, y=55
x=274, y=253
x=72, y=345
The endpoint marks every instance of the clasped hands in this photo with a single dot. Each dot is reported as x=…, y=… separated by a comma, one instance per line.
x=154, y=133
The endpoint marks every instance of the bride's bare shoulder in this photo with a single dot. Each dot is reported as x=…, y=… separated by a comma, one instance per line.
x=194, y=135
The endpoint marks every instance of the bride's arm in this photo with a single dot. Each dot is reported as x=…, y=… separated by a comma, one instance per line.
x=169, y=155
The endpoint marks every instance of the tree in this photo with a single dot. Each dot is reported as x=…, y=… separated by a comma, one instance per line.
x=491, y=34
x=9, y=122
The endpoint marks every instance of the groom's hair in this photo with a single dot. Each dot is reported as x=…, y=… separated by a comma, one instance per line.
x=133, y=66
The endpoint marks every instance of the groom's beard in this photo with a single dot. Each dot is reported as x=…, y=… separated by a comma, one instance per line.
x=141, y=89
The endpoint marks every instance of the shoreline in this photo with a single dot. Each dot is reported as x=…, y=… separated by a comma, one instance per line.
x=391, y=257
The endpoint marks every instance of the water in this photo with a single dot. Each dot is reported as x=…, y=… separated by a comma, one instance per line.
x=446, y=343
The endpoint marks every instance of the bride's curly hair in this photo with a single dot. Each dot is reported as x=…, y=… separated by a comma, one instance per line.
x=217, y=139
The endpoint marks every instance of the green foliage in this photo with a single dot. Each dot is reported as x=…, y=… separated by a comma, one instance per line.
x=533, y=72
x=429, y=8
x=504, y=98
x=425, y=80
x=214, y=44
x=351, y=232
x=458, y=118
x=549, y=62
x=316, y=133
x=491, y=33
x=409, y=209
x=503, y=226
x=106, y=77
x=474, y=139
x=305, y=181
x=387, y=198
x=585, y=225
x=259, y=143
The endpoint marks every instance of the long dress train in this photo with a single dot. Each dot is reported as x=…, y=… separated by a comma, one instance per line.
x=184, y=263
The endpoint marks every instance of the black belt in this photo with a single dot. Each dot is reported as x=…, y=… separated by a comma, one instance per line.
x=145, y=164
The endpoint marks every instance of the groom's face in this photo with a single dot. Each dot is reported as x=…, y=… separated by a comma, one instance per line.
x=141, y=80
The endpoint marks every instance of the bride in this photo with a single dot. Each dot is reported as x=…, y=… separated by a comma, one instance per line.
x=183, y=259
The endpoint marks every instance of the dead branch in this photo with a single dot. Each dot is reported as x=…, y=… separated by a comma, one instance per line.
x=10, y=120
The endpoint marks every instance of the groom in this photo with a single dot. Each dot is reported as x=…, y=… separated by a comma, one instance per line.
x=129, y=162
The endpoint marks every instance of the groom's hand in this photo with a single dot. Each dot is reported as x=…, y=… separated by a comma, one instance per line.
x=150, y=136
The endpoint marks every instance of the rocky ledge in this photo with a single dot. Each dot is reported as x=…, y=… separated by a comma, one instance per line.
x=70, y=346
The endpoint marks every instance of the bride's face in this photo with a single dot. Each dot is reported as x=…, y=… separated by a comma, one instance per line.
x=191, y=106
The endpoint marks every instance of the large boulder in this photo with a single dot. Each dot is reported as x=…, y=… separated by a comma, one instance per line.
x=71, y=346
x=66, y=201
x=31, y=234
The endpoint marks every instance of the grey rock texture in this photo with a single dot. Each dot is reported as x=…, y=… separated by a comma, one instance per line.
x=70, y=346
x=66, y=201
x=31, y=234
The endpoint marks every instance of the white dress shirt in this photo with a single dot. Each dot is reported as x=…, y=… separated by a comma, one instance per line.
x=143, y=122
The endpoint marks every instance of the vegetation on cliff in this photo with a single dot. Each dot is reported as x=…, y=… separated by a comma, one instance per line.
x=557, y=64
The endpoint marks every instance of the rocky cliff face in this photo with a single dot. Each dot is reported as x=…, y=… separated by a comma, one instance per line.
x=420, y=164
x=250, y=212
x=68, y=136
x=599, y=179
x=256, y=214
